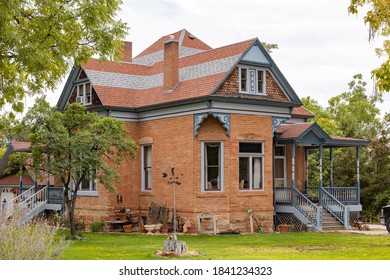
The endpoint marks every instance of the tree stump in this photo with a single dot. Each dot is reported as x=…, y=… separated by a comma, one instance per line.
x=174, y=246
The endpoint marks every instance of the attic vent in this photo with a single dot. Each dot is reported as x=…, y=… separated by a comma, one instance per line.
x=191, y=36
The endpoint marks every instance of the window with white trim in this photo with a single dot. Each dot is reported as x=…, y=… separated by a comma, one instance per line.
x=212, y=166
x=251, y=166
x=280, y=166
x=252, y=80
x=84, y=93
x=146, y=155
x=88, y=186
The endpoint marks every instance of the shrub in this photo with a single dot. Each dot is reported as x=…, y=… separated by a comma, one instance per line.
x=35, y=240
x=97, y=226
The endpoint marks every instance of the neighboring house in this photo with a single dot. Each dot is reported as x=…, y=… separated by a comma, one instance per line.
x=33, y=194
x=226, y=119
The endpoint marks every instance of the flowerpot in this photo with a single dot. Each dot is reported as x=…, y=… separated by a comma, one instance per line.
x=127, y=228
x=157, y=228
x=164, y=229
x=284, y=228
x=192, y=230
x=149, y=228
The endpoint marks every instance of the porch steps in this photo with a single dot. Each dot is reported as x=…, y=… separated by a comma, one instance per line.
x=330, y=223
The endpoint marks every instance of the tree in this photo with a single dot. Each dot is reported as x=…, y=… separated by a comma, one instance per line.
x=41, y=40
x=74, y=146
x=354, y=112
x=378, y=19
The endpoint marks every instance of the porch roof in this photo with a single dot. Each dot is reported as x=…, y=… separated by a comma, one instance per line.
x=311, y=134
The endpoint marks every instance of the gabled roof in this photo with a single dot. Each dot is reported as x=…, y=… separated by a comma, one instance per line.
x=310, y=133
x=15, y=146
x=301, y=112
x=140, y=83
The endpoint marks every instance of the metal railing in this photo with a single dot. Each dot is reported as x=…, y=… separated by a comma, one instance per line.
x=335, y=207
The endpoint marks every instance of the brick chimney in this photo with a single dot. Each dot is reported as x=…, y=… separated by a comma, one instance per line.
x=127, y=52
x=171, y=64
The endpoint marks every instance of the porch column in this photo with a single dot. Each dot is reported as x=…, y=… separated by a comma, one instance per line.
x=20, y=181
x=292, y=173
x=307, y=169
x=358, y=173
x=320, y=160
x=331, y=166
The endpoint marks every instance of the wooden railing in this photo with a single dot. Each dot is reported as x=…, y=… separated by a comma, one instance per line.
x=335, y=207
x=346, y=195
x=288, y=195
x=311, y=211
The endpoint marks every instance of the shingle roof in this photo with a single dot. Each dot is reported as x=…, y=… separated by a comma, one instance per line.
x=302, y=112
x=135, y=85
x=289, y=131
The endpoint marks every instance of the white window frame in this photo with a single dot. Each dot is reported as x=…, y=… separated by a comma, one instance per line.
x=252, y=76
x=91, y=190
x=251, y=156
x=284, y=165
x=83, y=94
x=204, y=183
x=143, y=168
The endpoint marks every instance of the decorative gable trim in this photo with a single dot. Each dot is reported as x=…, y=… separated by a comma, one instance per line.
x=254, y=55
x=223, y=118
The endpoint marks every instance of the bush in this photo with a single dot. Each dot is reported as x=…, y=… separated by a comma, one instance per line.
x=97, y=226
x=35, y=240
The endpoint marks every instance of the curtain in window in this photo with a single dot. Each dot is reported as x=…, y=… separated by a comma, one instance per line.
x=257, y=173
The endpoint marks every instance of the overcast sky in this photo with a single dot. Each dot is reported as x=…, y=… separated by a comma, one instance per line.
x=321, y=46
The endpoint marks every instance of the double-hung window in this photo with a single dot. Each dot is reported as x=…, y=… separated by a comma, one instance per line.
x=280, y=166
x=212, y=166
x=84, y=93
x=252, y=80
x=88, y=186
x=251, y=166
x=146, y=167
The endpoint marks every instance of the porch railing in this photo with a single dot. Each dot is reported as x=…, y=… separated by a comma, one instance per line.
x=7, y=209
x=29, y=202
x=335, y=207
x=346, y=195
x=308, y=209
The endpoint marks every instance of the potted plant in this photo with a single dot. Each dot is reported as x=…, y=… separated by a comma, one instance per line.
x=149, y=226
x=284, y=228
x=80, y=225
x=127, y=228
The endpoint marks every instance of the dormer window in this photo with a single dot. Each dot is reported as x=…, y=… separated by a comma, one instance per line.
x=84, y=93
x=252, y=80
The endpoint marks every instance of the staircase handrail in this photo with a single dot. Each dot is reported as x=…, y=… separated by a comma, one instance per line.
x=335, y=207
x=6, y=211
x=35, y=200
x=311, y=211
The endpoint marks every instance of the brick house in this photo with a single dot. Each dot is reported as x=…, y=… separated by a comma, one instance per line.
x=226, y=119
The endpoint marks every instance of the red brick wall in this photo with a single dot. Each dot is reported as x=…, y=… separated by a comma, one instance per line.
x=174, y=144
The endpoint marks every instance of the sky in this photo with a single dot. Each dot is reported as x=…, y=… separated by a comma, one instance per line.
x=321, y=46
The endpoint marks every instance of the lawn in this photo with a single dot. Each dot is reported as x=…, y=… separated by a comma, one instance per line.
x=285, y=246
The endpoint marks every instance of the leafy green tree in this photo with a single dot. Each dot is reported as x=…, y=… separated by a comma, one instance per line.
x=76, y=145
x=378, y=20
x=41, y=40
x=354, y=112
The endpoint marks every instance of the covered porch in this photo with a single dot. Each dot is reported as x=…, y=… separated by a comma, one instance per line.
x=325, y=206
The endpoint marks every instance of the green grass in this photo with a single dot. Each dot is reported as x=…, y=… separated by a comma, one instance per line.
x=286, y=246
